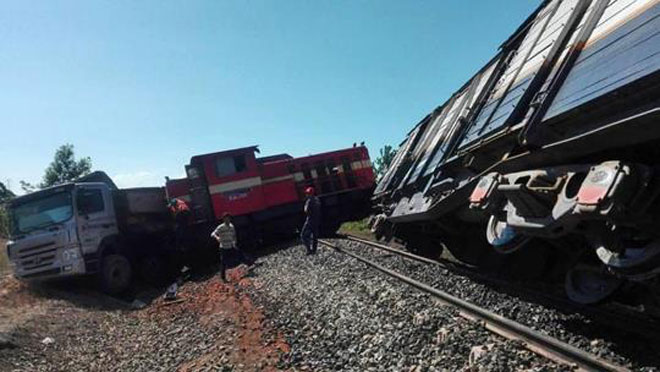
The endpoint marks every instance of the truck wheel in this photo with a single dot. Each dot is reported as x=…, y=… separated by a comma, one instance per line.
x=154, y=270
x=116, y=274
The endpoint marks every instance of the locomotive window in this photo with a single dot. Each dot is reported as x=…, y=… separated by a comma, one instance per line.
x=320, y=169
x=306, y=172
x=336, y=181
x=348, y=172
x=330, y=163
x=346, y=164
x=239, y=161
x=230, y=165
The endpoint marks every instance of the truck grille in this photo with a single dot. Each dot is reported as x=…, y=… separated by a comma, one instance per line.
x=38, y=256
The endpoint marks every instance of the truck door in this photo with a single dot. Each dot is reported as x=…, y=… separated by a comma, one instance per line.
x=96, y=216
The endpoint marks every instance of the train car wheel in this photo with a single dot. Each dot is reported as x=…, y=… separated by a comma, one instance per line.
x=471, y=248
x=530, y=263
x=637, y=259
x=503, y=238
x=586, y=284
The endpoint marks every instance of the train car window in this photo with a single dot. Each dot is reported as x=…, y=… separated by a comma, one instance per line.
x=356, y=156
x=292, y=168
x=230, y=165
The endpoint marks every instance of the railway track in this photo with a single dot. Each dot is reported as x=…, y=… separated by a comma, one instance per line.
x=614, y=316
x=535, y=341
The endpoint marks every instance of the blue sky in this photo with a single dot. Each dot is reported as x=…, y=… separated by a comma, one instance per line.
x=141, y=86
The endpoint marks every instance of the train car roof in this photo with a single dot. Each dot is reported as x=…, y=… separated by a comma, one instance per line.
x=241, y=150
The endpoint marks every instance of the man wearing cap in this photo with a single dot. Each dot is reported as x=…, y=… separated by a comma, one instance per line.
x=310, y=230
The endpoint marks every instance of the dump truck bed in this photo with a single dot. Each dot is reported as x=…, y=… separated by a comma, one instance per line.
x=142, y=210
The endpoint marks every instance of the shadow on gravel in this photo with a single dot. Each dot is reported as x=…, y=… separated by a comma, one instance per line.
x=604, y=333
x=644, y=352
x=619, y=335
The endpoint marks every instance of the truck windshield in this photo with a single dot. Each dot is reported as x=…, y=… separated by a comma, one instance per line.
x=40, y=213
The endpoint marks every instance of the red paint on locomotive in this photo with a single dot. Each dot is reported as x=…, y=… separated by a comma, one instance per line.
x=239, y=183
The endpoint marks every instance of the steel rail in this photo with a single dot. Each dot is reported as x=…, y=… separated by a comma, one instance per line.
x=610, y=315
x=400, y=252
x=539, y=343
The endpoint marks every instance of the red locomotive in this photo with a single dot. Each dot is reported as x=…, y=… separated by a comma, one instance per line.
x=265, y=194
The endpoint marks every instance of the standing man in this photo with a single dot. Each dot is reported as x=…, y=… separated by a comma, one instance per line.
x=225, y=234
x=310, y=230
x=181, y=213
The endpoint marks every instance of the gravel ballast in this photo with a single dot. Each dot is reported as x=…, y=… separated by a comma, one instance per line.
x=576, y=329
x=339, y=315
x=289, y=312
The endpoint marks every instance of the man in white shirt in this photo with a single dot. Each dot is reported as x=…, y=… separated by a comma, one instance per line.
x=225, y=234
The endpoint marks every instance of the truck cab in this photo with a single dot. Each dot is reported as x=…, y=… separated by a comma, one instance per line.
x=85, y=228
x=54, y=228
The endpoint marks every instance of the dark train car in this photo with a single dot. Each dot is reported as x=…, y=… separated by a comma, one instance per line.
x=265, y=194
x=554, y=140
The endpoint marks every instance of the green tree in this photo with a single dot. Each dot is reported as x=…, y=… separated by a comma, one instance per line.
x=63, y=168
x=383, y=161
x=28, y=187
x=5, y=193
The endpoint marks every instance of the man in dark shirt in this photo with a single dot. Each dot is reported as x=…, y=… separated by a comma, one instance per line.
x=310, y=230
x=181, y=214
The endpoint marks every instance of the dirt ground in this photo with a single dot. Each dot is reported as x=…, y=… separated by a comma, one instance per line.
x=211, y=326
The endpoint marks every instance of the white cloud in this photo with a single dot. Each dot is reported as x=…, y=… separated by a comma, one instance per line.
x=139, y=179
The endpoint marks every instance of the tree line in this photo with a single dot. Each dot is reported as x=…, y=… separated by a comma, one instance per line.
x=62, y=169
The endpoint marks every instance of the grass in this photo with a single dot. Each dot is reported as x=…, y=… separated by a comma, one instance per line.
x=358, y=228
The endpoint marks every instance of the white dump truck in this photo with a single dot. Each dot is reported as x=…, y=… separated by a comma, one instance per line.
x=90, y=227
